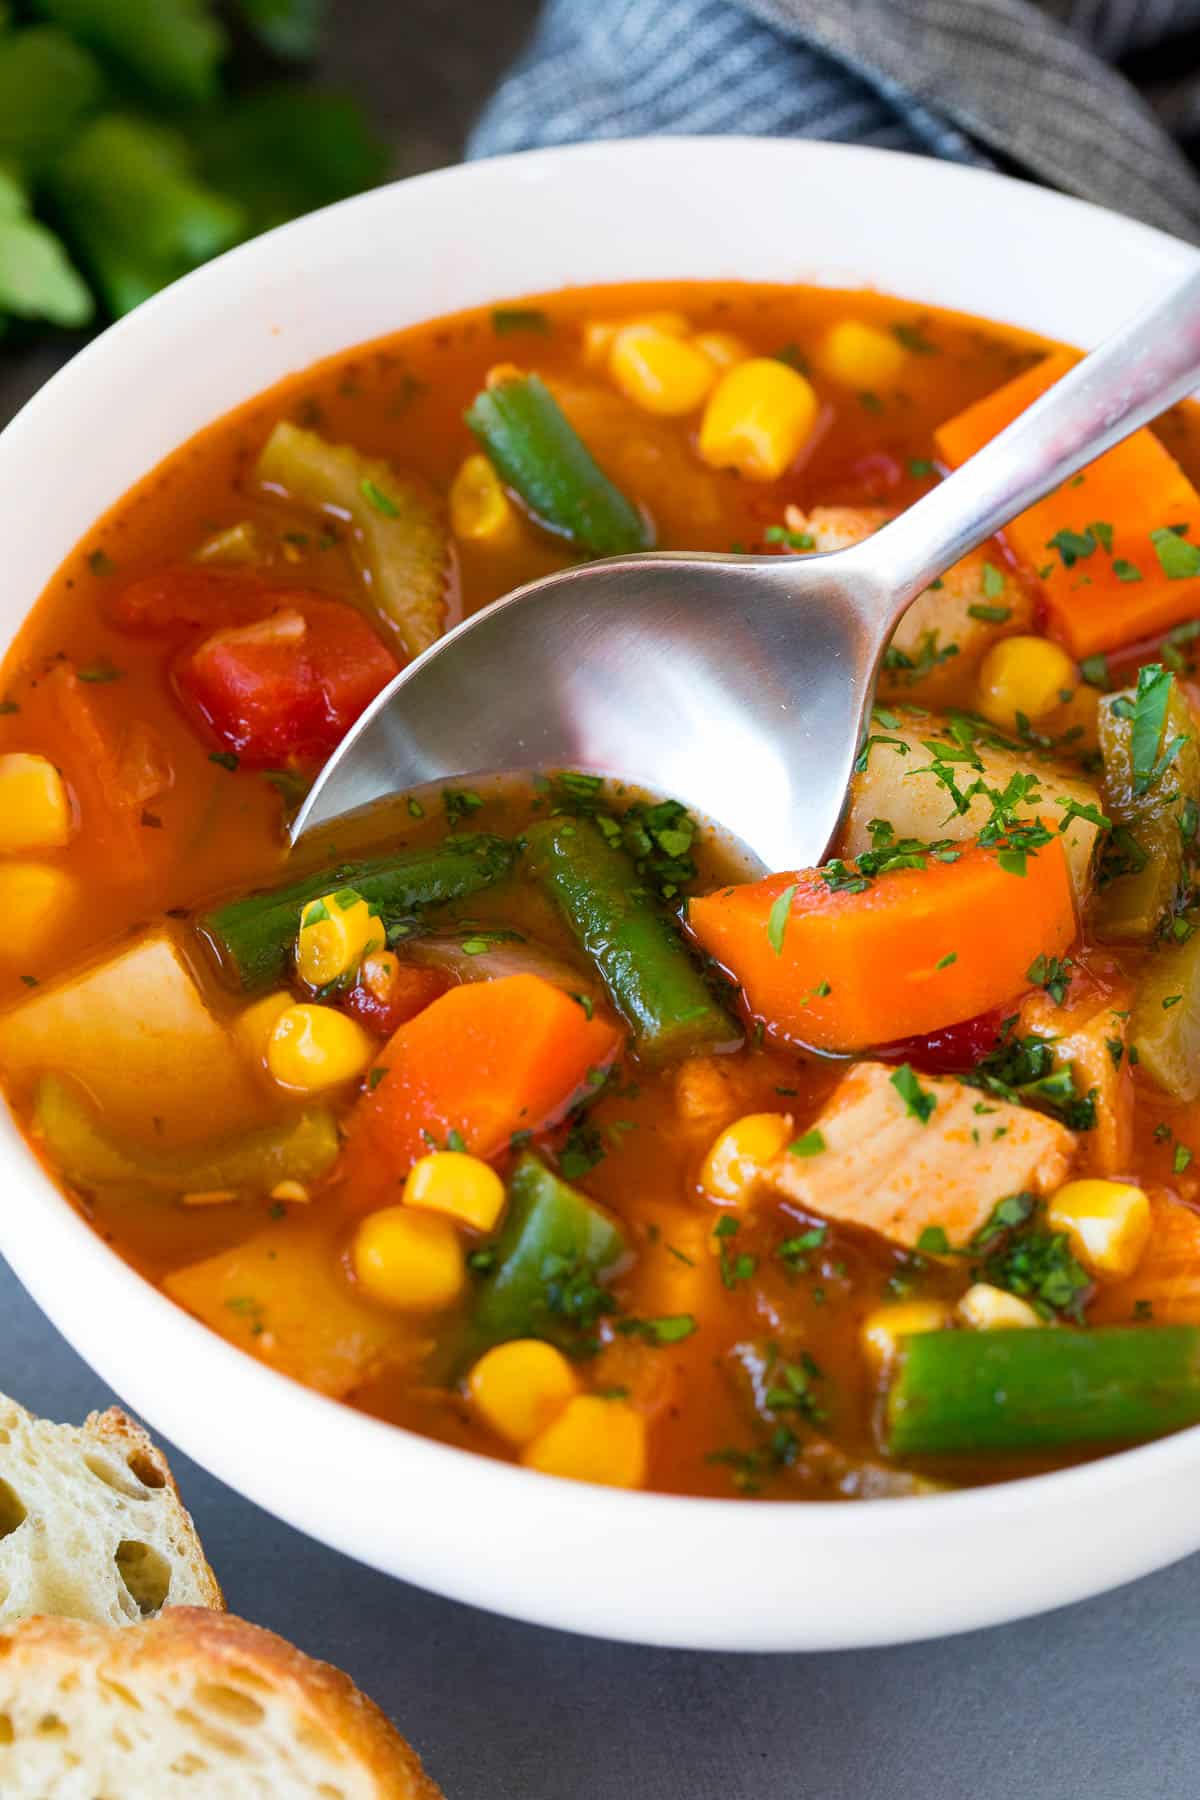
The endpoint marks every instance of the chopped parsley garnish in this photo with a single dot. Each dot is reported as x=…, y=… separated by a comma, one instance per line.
x=1177, y=558
x=583, y=1149
x=811, y=1144
x=933, y=1241
x=99, y=672
x=1052, y=973
x=1126, y=571
x=913, y=338
x=795, y=540
x=919, y=1103
x=101, y=563
x=919, y=467
x=777, y=918
x=673, y=1328
x=1094, y=670
x=1073, y=546
x=225, y=759
x=1036, y=1264
x=459, y=804
x=1182, y=1159
x=993, y=581
x=733, y=1268
x=793, y=1252
x=372, y=492
x=506, y=319
x=990, y=615
x=1022, y=1070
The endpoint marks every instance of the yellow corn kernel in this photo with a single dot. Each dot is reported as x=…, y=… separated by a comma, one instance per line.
x=987, y=1308
x=35, y=813
x=314, y=1047
x=519, y=1388
x=1023, y=675
x=253, y=1027
x=758, y=418
x=1108, y=1223
x=294, y=1193
x=660, y=373
x=480, y=509
x=860, y=356
x=883, y=1328
x=592, y=1440
x=599, y=334
x=463, y=1187
x=35, y=899
x=336, y=932
x=408, y=1260
x=741, y=1154
x=722, y=348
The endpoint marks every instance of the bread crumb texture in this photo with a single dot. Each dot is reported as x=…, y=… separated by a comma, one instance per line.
x=192, y=1705
x=91, y=1524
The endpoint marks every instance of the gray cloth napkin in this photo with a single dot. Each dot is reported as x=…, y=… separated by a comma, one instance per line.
x=1026, y=85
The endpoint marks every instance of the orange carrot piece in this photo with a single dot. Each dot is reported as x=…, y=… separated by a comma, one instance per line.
x=487, y=1059
x=110, y=766
x=1098, y=603
x=916, y=950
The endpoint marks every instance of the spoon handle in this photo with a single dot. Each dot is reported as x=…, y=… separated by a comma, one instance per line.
x=1145, y=367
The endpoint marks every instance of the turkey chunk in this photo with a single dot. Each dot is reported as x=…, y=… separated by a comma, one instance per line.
x=939, y=639
x=886, y=1170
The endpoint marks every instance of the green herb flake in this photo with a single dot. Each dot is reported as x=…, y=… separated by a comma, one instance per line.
x=1182, y=1159
x=101, y=563
x=224, y=759
x=1126, y=571
x=993, y=581
x=811, y=1144
x=509, y=319
x=919, y=1103
x=990, y=615
x=933, y=1241
x=372, y=492
x=1176, y=557
x=777, y=918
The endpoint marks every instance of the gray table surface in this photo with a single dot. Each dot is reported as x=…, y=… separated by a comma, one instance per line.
x=1097, y=1702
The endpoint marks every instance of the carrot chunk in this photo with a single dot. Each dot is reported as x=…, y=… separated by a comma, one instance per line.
x=1090, y=542
x=487, y=1059
x=914, y=950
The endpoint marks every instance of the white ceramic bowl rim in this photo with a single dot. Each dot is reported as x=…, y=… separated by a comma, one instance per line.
x=653, y=1568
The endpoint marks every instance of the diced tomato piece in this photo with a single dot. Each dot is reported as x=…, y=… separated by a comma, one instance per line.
x=289, y=684
x=190, y=596
x=950, y=1051
x=409, y=991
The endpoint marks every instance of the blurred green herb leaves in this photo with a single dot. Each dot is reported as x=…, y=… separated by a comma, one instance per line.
x=131, y=151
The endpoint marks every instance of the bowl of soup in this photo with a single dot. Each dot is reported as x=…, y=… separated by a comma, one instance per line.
x=510, y=1185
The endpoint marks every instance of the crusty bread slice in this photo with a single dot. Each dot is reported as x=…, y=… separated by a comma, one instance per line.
x=193, y=1705
x=91, y=1523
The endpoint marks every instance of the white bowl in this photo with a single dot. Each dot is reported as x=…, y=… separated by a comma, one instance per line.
x=651, y=1568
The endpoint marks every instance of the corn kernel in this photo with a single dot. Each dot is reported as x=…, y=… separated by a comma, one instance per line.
x=860, y=356
x=1023, y=675
x=480, y=509
x=592, y=1440
x=987, y=1308
x=883, y=1329
x=660, y=373
x=314, y=1047
x=519, y=1388
x=253, y=1027
x=292, y=1193
x=35, y=813
x=758, y=418
x=740, y=1156
x=599, y=335
x=408, y=1260
x=336, y=932
x=722, y=348
x=451, y=1182
x=1108, y=1223
x=35, y=900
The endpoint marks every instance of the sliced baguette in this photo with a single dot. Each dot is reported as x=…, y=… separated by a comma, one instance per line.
x=193, y=1705
x=91, y=1523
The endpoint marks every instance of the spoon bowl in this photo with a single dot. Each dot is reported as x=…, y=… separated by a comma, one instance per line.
x=737, y=684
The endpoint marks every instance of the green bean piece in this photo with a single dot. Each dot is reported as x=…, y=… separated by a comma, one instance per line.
x=252, y=938
x=538, y=452
x=974, y=1391
x=638, y=950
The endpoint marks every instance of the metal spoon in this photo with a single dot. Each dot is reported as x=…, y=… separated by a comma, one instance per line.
x=738, y=684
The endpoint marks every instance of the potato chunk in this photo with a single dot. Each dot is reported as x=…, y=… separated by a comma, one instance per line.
x=139, y=1035
x=884, y=1168
x=285, y=1297
x=918, y=805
